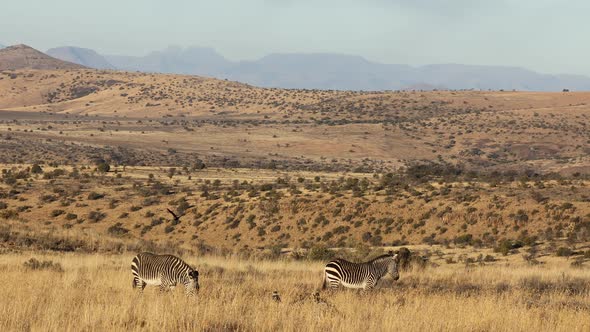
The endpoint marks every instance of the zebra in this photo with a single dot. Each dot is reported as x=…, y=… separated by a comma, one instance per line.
x=165, y=271
x=360, y=275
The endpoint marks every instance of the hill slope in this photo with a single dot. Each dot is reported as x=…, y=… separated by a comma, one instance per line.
x=304, y=129
x=25, y=57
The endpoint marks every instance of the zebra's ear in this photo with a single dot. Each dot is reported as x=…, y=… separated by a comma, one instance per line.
x=390, y=252
x=396, y=258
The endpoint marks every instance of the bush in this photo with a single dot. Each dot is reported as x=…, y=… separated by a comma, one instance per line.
x=463, y=239
x=320, y=253
x=409, y=260
x=36, y=169
x=56, y=213
x=103, y=167
x=94, y=196
x=117, y=230
x=35, y=264
x=96, y=216
x=564, y=252
x=506, y=246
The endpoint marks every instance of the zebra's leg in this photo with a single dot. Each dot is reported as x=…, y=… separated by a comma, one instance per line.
x=335, y=284
x=370, y=284
x=164, y=288
x=138, y=283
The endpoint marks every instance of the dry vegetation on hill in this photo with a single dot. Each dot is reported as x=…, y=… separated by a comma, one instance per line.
x=264, y=209
x=143, y=119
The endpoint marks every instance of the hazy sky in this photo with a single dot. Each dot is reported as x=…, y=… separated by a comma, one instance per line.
x=545, y=35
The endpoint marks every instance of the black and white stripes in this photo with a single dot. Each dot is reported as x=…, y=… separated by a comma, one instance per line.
x=360, y=275
x=163, y=270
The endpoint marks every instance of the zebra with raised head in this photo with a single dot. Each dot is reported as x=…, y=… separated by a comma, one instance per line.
x=165, y=271
x=360, y=275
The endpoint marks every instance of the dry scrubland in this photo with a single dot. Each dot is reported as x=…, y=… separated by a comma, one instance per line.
x=93, y=292
x=84, y=209
x=490, y=190
x=77, y=116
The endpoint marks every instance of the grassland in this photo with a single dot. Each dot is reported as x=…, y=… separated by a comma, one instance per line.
x=93, y=292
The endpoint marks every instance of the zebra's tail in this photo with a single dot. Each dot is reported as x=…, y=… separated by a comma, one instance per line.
x=324, y=281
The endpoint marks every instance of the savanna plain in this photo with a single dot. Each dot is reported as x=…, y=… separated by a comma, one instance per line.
x=488, y=190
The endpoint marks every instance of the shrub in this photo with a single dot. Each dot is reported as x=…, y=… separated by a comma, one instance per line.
x=36, y=169
x=103, y=167
x=320, y=253
x=463, y=239
x=56, y=213
x=96, y=216
x=404, y=258
x=35, y=264
x=564, y=252
x=117, y=230
x=94, y=196
x=505, y=246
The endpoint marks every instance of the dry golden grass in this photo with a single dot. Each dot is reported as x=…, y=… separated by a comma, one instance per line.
x=94, y=293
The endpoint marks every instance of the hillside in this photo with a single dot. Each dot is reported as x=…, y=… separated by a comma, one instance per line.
x=25, y=57
x=82, y=56
x=257, y=167
x=312, y=129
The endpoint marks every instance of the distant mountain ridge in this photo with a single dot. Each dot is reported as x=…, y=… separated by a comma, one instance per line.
x=345, y=72
x=175, y=60
x=83, y=56
x=25, y=57
x=325, y=71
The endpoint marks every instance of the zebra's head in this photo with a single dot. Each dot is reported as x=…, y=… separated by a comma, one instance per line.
x=194, y=279
x=392, y=268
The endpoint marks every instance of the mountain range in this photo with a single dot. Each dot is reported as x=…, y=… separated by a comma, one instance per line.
x=83, y=56
x=325, y=71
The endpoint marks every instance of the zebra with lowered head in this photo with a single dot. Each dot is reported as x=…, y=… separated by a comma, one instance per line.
x=360, y=275
x=165, y=271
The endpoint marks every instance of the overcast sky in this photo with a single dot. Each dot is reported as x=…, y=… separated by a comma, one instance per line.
x=545, y=35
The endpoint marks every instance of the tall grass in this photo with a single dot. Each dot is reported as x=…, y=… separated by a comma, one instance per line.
x=93, y=293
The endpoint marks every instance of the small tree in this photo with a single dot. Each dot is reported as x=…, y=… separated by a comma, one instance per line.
x=36, y=169
x=103, y=167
